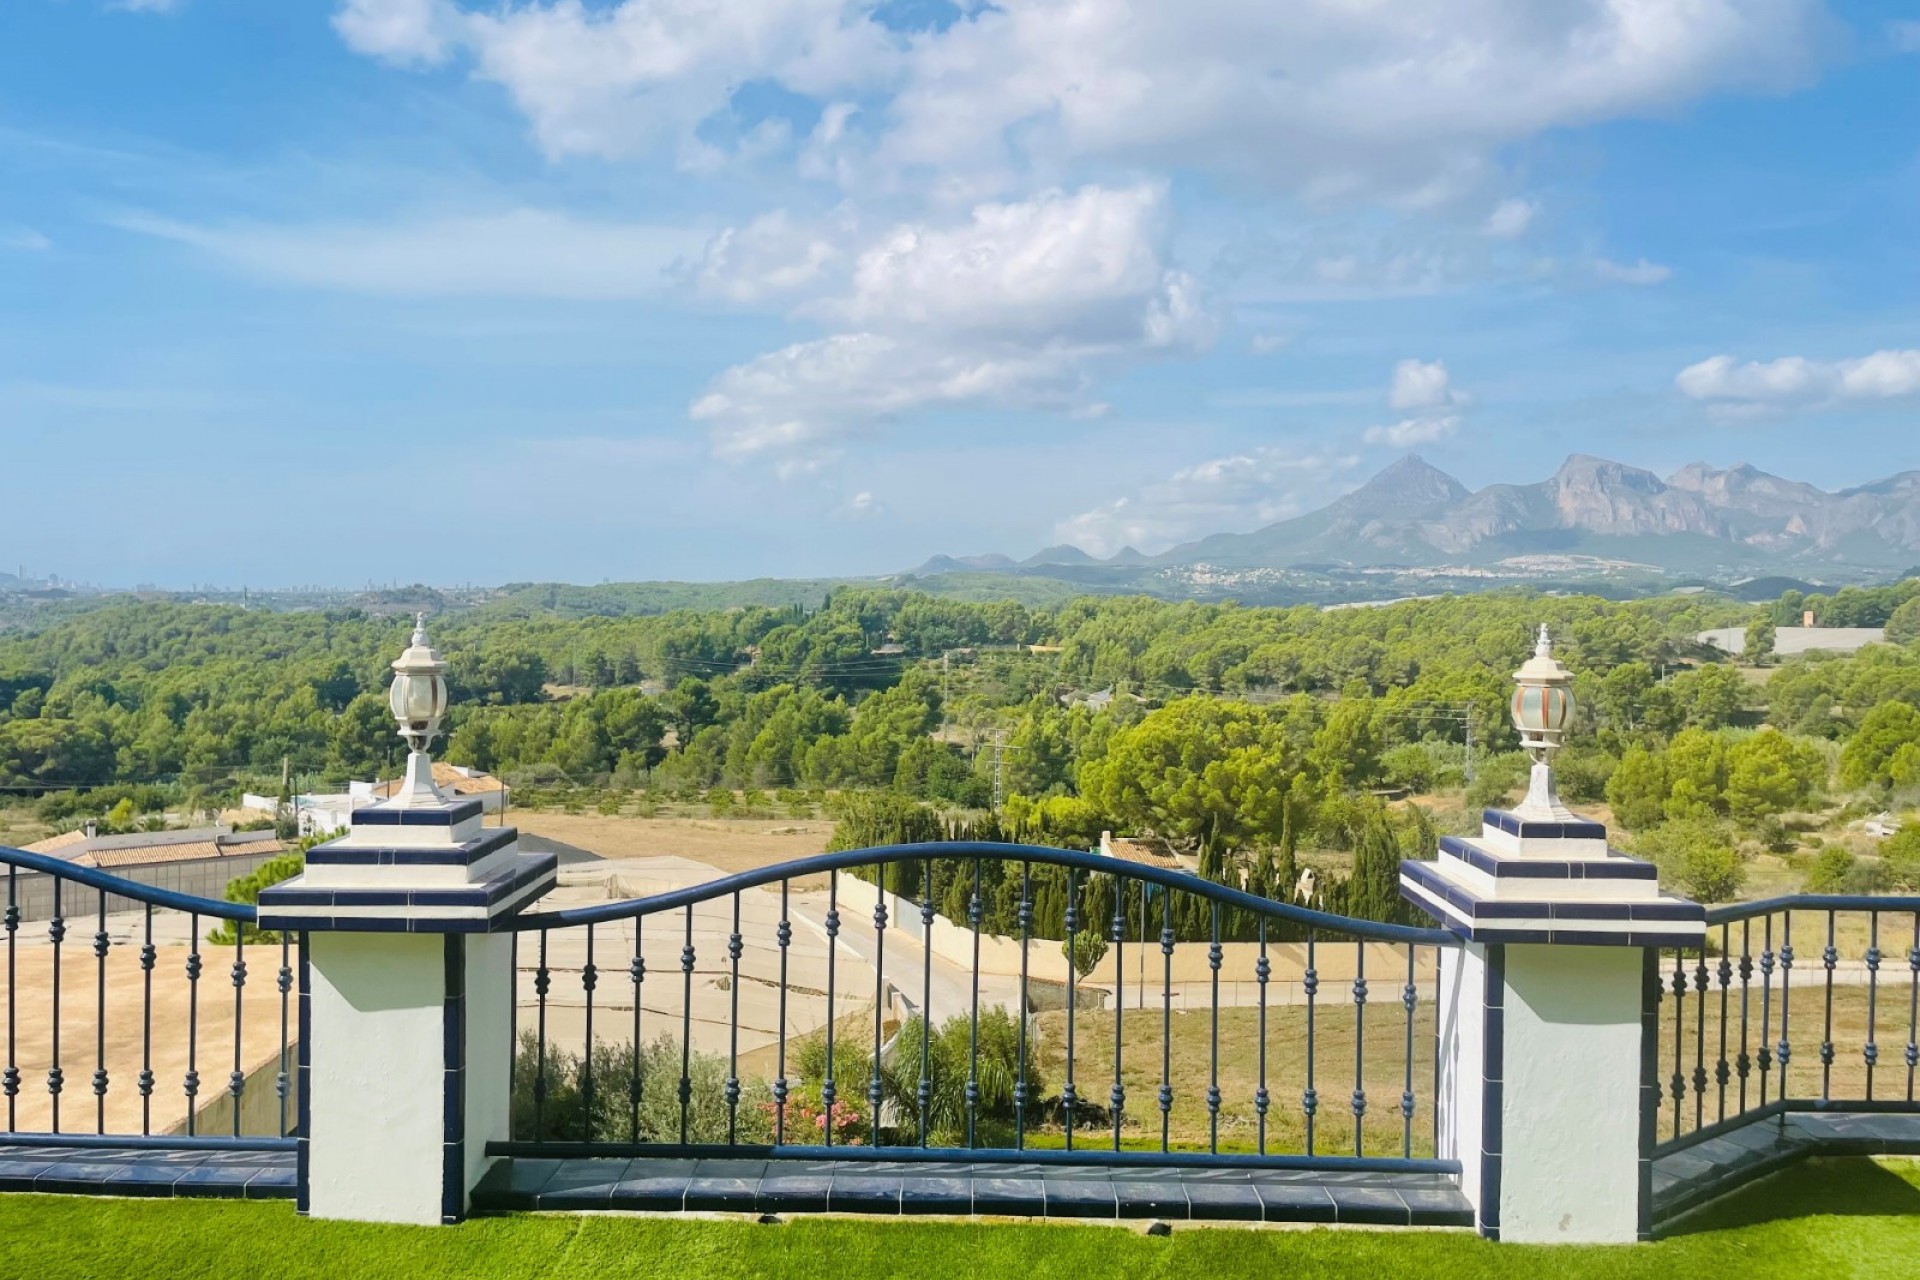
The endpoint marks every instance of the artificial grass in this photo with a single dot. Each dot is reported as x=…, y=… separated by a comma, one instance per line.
x=1834, y=1219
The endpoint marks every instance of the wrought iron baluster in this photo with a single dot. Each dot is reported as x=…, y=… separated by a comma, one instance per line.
x=56, y=1079
x=637, y=976
x=1213, y=1038
x=1067, y=1094
x=975, y=907
x=10, y=1081
x=874, y=1093
x=1743, y=1065
x=1765, y=1056
x=1166, y=1013
x=923, y=1095
x=1913, y=1005
x=1783, y=1051
x=686, y=1022
x=192, y=1083
x=735, y=947
x=828, y=1091
x=1117, y=1098
x=283, y=980
x=589, y=979
x=1829, y=958
x=1679, y=1037
x=1310, y=984
x=1359, y=1041
x=1722, y=1070
x=1700, y=1038
x=1410, y=996
x=783, y=934
x=542, y=982
x=1020, y=1098
x=237, y=1079
x=1435, y=1109
x=1262, y=970
x=149, y=956
x=1871, y=1050
x=100, y=945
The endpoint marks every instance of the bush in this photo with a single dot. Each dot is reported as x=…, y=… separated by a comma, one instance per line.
x=1085, y=951
x=720, y=801
x=1498, y=780
x=1900, y=855
x=1837, y=871
x=996, y=1067
x=247, y=889
x=615, y=1115
x=1697, y=857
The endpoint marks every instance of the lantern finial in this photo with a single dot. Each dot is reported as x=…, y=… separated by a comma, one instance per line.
x=418, y=699
x=1542, y=708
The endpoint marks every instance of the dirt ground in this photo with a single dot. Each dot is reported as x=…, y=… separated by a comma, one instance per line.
x=727, y=844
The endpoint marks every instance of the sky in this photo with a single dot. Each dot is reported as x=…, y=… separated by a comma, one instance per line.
x=475, y=291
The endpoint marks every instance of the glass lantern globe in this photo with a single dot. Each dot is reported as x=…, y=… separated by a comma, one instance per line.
x=1543, y=702
x=418, y=696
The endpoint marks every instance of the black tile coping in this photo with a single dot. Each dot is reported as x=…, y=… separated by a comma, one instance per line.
x=1686, y=1179
x=964, y=1189
x=1536, y=829
x=335, y=854
x=288, y=906
x=447, y=815
x=1615, y=866
x=115, y=1171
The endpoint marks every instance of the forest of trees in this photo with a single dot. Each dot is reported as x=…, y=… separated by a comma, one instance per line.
x=1242, y=733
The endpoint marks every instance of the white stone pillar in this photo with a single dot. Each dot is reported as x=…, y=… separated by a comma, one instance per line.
x=1543, y=1034
x=406, y=1006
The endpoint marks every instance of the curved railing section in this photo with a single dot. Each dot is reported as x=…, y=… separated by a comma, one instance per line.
x=109, y=1028
x=975, y=1001
x=1809, y=1002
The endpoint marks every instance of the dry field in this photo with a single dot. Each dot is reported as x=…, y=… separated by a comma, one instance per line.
x=728, y=845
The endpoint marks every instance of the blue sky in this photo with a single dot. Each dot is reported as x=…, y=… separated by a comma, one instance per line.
x=347, y=290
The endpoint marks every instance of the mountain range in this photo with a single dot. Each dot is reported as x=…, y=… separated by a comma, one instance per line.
x=1591, y=514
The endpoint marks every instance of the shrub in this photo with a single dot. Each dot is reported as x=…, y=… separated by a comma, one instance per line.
x=720, y=801
x=1900, y=855
x=1696, y=856
x=1837, y=871
x=247, y=889
x=615, y=1115
x=1085, y=951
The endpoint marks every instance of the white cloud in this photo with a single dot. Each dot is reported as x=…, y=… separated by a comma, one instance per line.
x=1421, y=385
x=775, y=257
x=1241, y=491
x=1510, y=219
x=1795, y=381
x=1265, y=344
x=1410, y=432
x=863, y=505
x=24, y=239
x=1904, y=36
x=1412, y=100
x=524, y=253
x=397, y=31
x=1016, y=306
x=1641, y=272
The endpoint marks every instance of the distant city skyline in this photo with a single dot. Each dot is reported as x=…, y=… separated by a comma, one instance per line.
x=541, y=291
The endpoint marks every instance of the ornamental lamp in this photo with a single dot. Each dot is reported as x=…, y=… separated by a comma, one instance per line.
x=418, y=700
x=1543, y=703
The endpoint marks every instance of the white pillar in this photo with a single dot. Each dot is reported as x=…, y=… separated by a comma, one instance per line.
x=406, y=1008
x=1543, y=1035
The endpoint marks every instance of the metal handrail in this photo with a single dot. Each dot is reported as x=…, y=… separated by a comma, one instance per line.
x=94, y=878
x=1045, y=855
x=1737, y=911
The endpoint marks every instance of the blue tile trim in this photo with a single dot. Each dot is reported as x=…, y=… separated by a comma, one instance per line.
x=465, y=854
x=449, y=815
x=1533, y=829
x=453, y=1028
x=1615, y=866
x=284, y=907
x=303, y=1069
x=1492, y=1091
x=1649, y=1087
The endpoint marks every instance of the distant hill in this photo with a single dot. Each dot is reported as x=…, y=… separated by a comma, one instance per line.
x=1592, y=517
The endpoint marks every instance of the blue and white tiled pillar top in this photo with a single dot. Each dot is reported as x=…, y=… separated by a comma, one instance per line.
x=1543, y=1059
x=406, y=992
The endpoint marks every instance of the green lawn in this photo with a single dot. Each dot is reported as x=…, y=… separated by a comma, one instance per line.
x=1832, y=1219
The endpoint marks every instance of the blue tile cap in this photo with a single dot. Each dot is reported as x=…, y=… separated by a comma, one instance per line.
x=451, y=814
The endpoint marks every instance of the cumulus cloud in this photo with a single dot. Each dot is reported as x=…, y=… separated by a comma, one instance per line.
x=1796, y=381
x=863, y=504
x=1421, y=385
x=1014, y=306
x=1240, y=491
x=528, y=253
x=1412, y=100
x=1410, y=432
x=1641, y=272
x=1510, y=219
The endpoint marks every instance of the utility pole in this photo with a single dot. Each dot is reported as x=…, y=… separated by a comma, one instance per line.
x=1000, y=748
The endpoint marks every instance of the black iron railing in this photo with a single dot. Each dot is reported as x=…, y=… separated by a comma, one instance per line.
x=859, y=1005
x=1805, y=1003
x=140, y=1018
